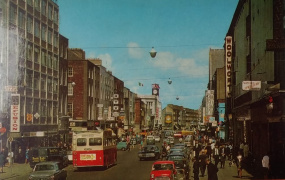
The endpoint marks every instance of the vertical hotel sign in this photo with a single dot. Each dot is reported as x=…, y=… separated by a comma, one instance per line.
x=228, y=66
x=15, y=113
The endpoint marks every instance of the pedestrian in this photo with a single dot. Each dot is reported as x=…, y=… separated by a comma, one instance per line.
x=222, y=156
x=2, y=161
x=141, y=143
x=241, y=146
x=27, y=155
x=216, y=155
x=10, y=158
x=239, y=164
x=195, y=168
x=245, y=150
x=202, y=162
x=265, y=166
x=212, y=170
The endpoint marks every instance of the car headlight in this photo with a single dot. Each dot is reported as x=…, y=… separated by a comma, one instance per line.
x=51, y=177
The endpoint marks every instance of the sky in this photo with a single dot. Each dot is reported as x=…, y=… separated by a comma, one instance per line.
x=123, y=32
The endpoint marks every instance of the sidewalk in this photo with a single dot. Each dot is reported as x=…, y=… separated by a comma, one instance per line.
x=15, y=171
x=227, y=173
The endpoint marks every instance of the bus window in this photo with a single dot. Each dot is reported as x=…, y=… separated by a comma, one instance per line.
x=81, y=142
x=95, y=141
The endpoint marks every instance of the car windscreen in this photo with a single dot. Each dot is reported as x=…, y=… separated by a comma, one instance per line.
x=163, y=167
x=44, y=167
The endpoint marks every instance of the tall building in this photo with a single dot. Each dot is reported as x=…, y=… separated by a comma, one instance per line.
x=256, y=104
x=29, y=71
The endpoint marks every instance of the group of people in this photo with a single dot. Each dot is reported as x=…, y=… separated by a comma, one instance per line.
x=9, y=157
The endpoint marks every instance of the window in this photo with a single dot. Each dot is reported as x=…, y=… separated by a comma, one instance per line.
x=29, y=52
x=37, y=29
x=55, y=16
x=55, y=40
x=30, y=2
x=70, y=89
x=49, y=61
x=13, y=14
x=50, y=11
x=70, y=71
x=55, y=85
x=44, y=32
x=36, y=54
x=55, y=65
x=21, y=20
x=43, y=62
x=49, y=85
x=70, y=109
x=37, y=4
x=81, y=141
x=43, y=84
x=49, y=36
x=44, y=7
x=30, y=24
x=36, y=83
x=95, y=141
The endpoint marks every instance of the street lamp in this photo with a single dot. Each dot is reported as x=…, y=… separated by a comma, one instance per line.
x=152, y=52
x=169, y=81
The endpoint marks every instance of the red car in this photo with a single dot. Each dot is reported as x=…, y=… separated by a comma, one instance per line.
x=163, y=170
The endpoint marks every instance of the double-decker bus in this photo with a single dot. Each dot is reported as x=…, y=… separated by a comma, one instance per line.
x=94, y=148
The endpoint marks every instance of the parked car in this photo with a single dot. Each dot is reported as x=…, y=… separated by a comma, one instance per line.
x=182, y=164
x=176, y=156
x=150, y=140
x=163, y=170
x=149, y=151
x=48, y=170
x=122, y=145
x=171, y=139
x=157, y=138
x=181, y=175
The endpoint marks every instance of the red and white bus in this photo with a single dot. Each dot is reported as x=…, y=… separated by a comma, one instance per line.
x=94, y=148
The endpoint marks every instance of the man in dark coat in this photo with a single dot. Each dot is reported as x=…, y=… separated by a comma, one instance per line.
x=2, y=161
x=202, y=161
x=195, y=168
x=212, y=170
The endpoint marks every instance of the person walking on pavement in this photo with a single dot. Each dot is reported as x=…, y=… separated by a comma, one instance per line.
x=265, y=166
x=10, y=158
x=212, y=170
x=216, y=155
x=245, y=150
x=195, y=168
x=222, y=156
x=2, y=161
x=239, y=164
x=202, y=162
x=27, y=156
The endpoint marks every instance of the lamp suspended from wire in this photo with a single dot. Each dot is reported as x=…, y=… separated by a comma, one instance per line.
x=177, y=97
x=152, y=52
x=169, y=81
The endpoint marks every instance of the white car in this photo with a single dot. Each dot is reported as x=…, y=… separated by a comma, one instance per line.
x=171, y=140
x=157, y=138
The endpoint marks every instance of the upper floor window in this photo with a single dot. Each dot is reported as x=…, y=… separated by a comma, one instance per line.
x=13, y=14
x=30, y=24
x=21, y=20
x=70, y=89
x=70, y=71
x=37, y=4
x=30, y=2
x=37, y=29
x=44, y=32
x=43, y=7
x=50, y=11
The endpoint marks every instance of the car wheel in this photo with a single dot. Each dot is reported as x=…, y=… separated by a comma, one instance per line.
x=123, y=149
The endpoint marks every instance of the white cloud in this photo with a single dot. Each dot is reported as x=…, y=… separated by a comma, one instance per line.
x=186, y=66
x=134, y=50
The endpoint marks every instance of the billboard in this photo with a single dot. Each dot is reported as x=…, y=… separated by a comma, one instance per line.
x=228, y=64
x=15, y=113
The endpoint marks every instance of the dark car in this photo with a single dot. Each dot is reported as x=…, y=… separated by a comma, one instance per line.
x=43, y=154
x=176, y=156
x=149, y=151
x=182, y=164
x=48, y=170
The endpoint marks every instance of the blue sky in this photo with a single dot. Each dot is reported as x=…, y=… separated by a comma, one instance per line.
x=122, y=32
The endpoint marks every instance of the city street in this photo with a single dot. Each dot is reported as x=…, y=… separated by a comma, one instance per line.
x=128, y=168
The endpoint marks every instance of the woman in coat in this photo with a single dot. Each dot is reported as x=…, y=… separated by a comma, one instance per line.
x=2, y=161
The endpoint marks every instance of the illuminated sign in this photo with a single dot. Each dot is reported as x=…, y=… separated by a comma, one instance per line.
x=228, y=65
x=15, y=113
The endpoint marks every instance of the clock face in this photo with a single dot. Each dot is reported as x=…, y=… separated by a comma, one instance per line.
x=154, y=91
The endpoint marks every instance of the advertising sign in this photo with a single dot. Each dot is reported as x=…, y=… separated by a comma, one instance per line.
x=228, y=64
x=15, y=113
